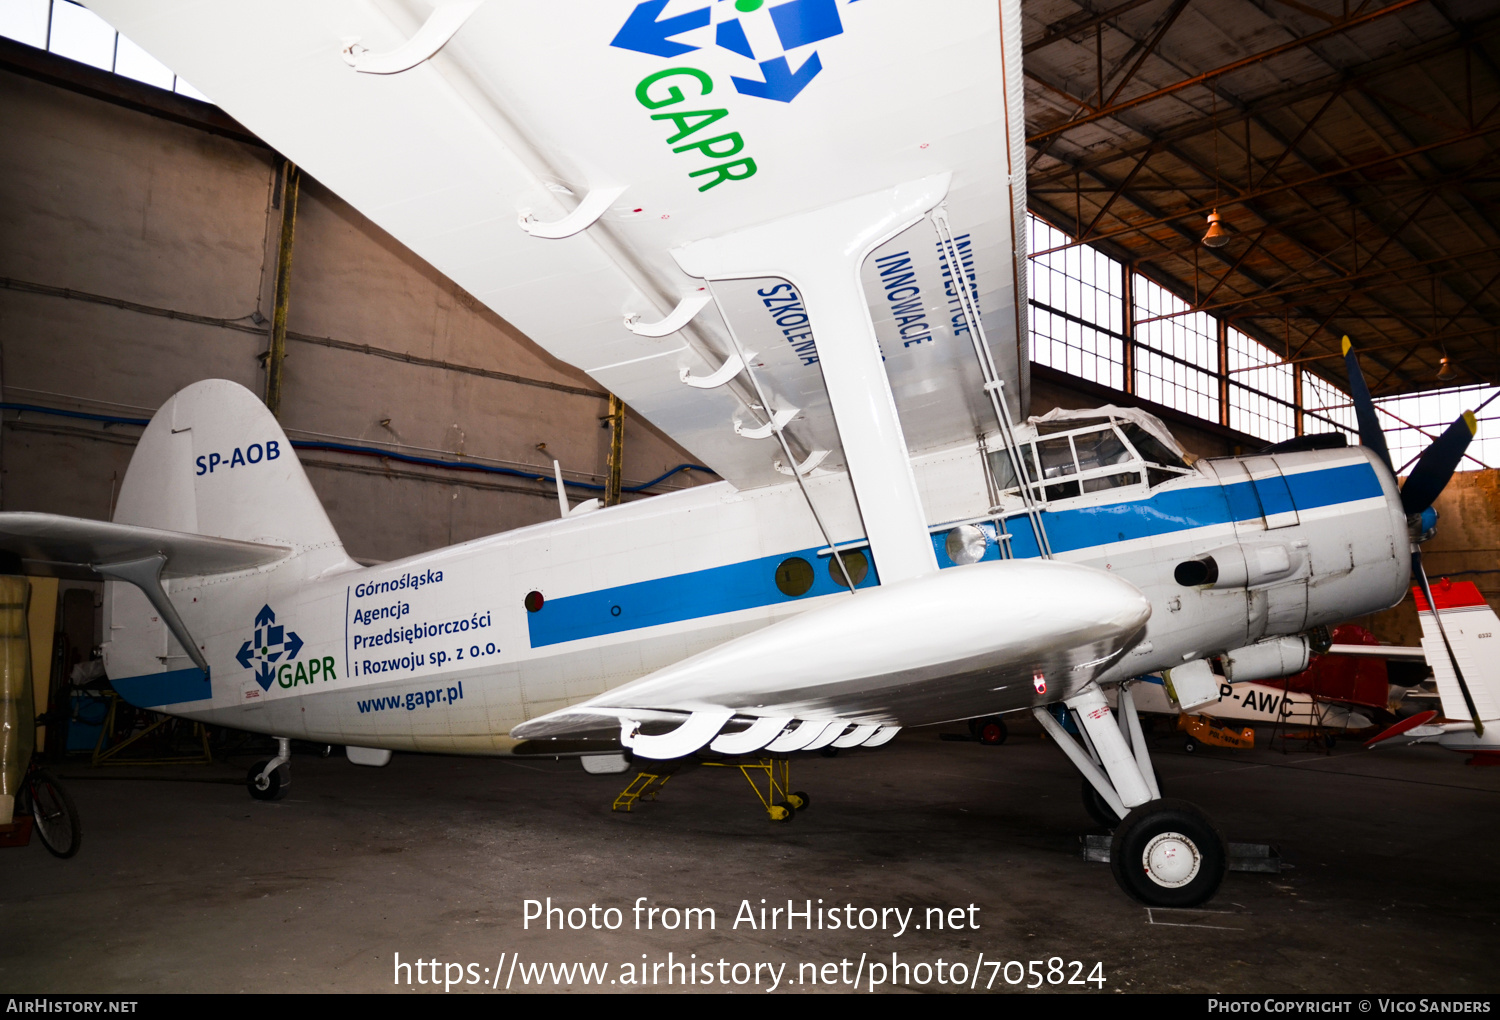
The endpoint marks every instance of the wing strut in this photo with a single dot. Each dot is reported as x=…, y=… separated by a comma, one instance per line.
x=145, y=574
x=820, y=253
x=992, y=381
x=778, y=421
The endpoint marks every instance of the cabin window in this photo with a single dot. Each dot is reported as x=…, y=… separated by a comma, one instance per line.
x=856, y=563
x=794, y=576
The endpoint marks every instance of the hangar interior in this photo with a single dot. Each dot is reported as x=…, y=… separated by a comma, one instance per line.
x=1341, y=157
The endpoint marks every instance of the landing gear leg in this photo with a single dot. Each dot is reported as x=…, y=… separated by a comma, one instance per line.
x=268, y=780
x=1165, y=853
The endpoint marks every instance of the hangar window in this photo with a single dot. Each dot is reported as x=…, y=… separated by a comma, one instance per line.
x=1092, y=317
x=1177, y=352
x=1077, y=309
x=71, y=30
x=1262, y=389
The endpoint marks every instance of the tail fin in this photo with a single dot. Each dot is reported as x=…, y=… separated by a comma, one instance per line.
x=1474, y=634
x=214, y=461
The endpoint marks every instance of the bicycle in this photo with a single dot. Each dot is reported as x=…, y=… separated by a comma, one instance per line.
x=54, y=817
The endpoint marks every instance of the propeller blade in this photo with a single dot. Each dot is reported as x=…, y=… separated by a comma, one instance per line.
x=1437, y=618
x=1437, y=464
x=1370, y=433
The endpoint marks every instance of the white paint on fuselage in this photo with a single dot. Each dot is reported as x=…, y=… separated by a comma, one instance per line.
x=435, y=701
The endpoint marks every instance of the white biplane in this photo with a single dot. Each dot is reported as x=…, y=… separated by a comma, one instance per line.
x=789, y=234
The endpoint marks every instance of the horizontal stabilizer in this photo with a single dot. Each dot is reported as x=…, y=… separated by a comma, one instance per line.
x=1418, y=729
x=51, y=545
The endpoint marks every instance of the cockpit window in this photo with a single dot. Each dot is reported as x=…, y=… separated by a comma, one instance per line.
x=1151, y=448
x=1056, y=459
x=1091, y=459
x=1100, y=449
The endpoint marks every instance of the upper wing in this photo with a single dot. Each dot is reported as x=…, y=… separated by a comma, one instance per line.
x=648, y=126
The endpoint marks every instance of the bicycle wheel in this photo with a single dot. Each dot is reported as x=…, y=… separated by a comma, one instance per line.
x=54, y=815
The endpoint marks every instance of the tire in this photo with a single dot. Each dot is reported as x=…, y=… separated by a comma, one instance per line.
x=992, y=731
x=54, y=815
x=1190, y=745
x=271, y=788
x=782, y=812
x=1098, y=808
x=1177, y=842
x=798, y=800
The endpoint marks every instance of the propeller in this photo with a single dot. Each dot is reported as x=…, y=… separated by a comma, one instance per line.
x=1427, y=479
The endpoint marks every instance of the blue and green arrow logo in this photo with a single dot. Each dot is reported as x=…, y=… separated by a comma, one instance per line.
x=795, y=24
x=271, y=643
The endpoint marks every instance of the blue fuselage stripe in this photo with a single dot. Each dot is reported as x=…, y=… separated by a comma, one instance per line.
x=745, y=585
x=751, y=584
x=171, y=688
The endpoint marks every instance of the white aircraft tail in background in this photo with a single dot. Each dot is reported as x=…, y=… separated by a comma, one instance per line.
x=1460, y=642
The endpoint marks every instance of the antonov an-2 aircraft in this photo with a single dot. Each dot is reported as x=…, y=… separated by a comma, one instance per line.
x=790, y=234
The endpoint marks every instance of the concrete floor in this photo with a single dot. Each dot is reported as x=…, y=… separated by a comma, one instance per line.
x=185, y=884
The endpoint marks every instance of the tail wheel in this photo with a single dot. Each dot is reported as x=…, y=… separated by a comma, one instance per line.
x=262, y=787
x=53, y=814
x=1166, y=853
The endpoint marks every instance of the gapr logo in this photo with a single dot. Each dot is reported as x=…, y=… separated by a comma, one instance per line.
x=758, y=37
x=272, y=653
x=255, y=453
x=763, y=34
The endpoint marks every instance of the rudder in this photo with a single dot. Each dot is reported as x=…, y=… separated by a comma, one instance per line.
x=214, y=461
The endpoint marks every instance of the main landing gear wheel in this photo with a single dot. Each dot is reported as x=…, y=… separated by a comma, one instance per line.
x=781, y=812
x=798, y=800
x=1097, y=807
x=990, y=731
x=272, y=787
x=1166, y=853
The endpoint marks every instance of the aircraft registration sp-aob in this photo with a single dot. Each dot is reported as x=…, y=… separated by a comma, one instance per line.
x=791, y=235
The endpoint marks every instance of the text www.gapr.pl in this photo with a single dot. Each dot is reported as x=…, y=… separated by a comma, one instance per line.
x=413, y=700
x=866, y=973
